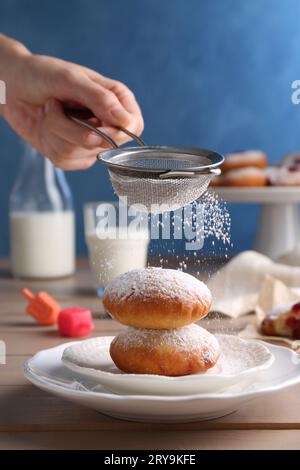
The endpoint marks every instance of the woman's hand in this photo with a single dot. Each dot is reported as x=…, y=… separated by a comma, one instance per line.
x=40, y=87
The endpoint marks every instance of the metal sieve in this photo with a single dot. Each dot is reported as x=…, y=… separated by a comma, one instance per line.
x=160, y=178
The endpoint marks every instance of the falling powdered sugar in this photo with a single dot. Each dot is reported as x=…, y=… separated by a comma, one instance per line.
x=217, y=221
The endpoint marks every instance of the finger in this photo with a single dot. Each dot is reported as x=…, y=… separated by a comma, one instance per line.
x=64, y=151
x=67, y=161
x=65, y=155
x=63, y=127
x=103, y=102
x=68, y=132
x=56, y=122
x=122, y=92
x=127, y=98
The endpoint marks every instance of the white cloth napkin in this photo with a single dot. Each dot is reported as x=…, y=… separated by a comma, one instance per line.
x=236, y=287
x=272, y=294
x=292, y=257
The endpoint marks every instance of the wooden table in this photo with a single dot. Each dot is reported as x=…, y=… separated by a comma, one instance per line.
x=32, y=419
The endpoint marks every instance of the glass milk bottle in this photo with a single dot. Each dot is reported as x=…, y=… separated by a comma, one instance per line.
x=42, y=231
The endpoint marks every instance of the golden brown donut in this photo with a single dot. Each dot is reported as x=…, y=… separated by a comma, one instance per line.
x=250, y=176
x=249, y=158
x=180, y=351
x=157, y=298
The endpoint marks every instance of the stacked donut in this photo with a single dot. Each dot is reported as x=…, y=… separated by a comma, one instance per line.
x=159, y=306
x=245, y=168
x=287, y=172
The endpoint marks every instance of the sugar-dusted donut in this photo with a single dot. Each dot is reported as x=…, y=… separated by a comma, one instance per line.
x=157, y=298
x=284, y=175
x=250, y=176
x=249, y=158
x=175, y=352
x=292, y=158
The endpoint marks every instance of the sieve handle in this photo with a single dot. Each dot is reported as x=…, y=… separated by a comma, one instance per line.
x=73, y=114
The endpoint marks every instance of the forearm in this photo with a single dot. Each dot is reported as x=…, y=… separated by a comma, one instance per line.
x=11, y=52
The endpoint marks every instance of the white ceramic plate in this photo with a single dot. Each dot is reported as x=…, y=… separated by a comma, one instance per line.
x=239, y=361
x=47, y=372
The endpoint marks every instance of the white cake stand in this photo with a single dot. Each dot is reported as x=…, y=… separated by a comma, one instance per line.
x=279, y=229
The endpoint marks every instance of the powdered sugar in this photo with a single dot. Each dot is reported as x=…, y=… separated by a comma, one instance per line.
x=217, y=221
x=157, y=282
x=237, y=356
x=190, y=339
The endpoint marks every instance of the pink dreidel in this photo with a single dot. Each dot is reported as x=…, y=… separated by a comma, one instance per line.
x=75, y=322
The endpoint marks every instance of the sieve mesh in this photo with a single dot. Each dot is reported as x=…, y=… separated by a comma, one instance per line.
x=159, y=195
x=160, y=163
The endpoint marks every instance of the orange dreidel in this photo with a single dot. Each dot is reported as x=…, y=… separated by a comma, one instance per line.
x=42, y=307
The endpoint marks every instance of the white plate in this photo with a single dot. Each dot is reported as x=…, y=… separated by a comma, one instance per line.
x=46, y=371
x=239, y=361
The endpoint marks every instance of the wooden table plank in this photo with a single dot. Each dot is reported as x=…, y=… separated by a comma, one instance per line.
x=198, y=440
x=35, y=410
x=31, y=342
x=11, y=310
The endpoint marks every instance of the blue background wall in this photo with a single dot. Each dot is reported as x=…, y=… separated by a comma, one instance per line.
x=215, y=74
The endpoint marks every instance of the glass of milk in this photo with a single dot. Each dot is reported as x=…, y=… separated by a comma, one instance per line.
x=117, y=237
x=42, y=232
